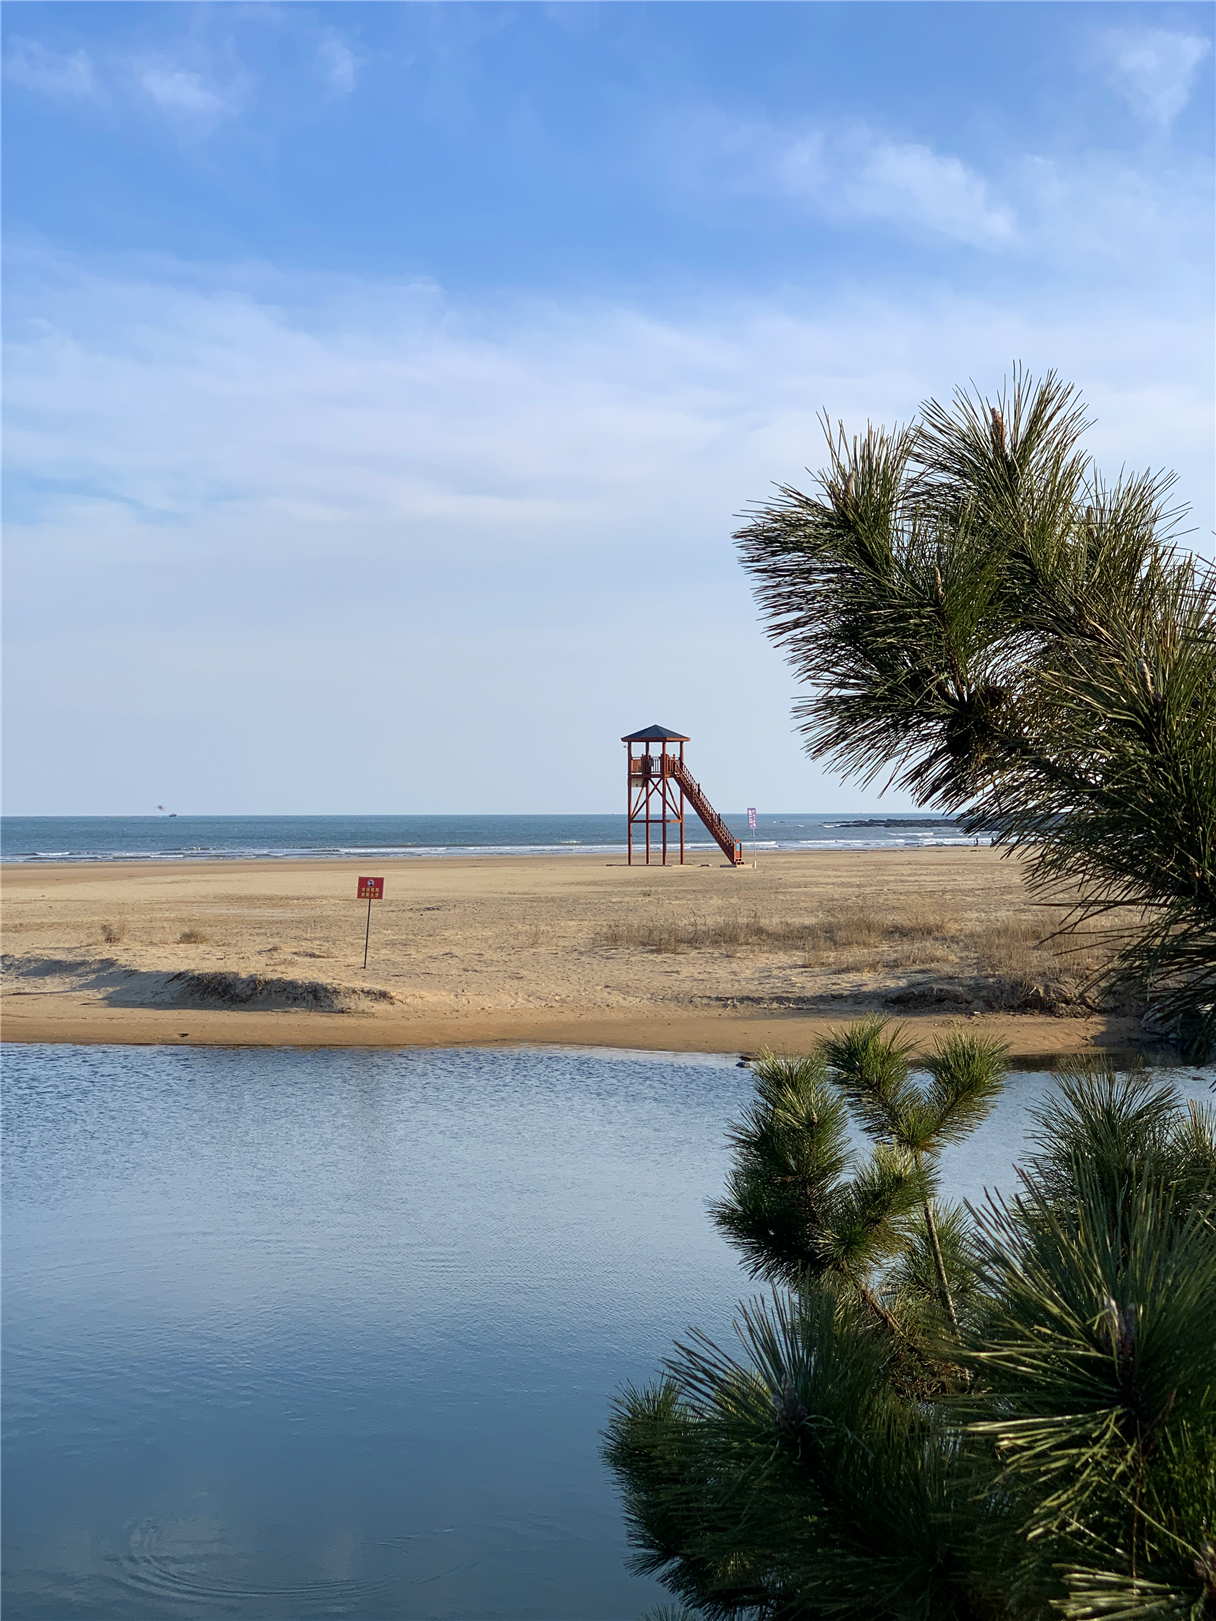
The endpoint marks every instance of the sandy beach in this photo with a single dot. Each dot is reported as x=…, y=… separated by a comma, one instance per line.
x=576, y=949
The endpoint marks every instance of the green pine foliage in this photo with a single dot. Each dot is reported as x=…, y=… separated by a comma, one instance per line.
x=981, y=618
x=789, y=1207
x=1035, y=1438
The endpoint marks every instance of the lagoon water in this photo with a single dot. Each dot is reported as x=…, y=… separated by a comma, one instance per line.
x=297, y=1334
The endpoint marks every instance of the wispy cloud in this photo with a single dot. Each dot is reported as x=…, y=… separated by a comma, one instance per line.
x=908, y=183
x=339, y=64
x=50, y=73
x=182, y=94
x=1048, y=213
x=854, y=173
x=227, y=468
x=186, y=94
x=320, y=402
x=1153, y=69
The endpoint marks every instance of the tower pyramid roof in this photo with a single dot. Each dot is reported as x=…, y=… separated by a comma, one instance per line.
x=655, y=734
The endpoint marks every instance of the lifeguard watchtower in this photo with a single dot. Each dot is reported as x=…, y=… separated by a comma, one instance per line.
x=658, y=784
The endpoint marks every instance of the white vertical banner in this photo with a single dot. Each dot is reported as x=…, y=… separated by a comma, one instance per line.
x=751, y=822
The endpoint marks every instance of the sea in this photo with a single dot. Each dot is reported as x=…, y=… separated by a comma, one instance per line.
x=244, y=838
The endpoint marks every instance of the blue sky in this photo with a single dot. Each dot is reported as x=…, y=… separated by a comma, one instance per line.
x=383, y=380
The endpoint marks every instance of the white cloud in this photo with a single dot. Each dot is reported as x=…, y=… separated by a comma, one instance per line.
x=183, y=94
x=289, y=516
x=299, y=405
x=849, y=174
x=50, y=73
x=339, y=63
x=1123, y=219
x=910, y=183
x=180, y=93
x=1154, y=69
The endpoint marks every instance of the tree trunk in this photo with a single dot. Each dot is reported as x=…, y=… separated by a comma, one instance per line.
x=939, y=1264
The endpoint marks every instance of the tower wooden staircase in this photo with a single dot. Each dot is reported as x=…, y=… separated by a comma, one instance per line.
x=714, y=825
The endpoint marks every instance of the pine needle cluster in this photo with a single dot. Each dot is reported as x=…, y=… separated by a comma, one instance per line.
x=940, y=1413
x=986, y=621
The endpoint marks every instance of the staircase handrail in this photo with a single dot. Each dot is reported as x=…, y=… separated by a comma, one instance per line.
x=713, y=823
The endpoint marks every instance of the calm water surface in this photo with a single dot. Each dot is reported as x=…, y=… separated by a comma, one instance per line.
x=310, y=1334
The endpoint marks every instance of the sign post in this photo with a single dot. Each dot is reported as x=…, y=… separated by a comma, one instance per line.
x=751, y=822
x=370, y=889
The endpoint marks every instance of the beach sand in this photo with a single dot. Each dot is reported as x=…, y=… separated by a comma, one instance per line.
x=572, y=949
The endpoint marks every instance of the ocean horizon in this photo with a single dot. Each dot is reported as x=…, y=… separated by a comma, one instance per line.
x=182, y=837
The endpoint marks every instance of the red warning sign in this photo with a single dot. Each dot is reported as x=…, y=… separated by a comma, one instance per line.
x=371, y=889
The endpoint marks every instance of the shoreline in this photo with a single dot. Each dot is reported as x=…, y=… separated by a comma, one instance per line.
x=1030, y=1037
x=709, y=856
x=564, y=949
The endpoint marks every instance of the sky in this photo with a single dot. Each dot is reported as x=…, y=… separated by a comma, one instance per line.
x=384, y=382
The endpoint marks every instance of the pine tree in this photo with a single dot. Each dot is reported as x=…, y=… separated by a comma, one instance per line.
x=984, y=620
x=1033, y=1437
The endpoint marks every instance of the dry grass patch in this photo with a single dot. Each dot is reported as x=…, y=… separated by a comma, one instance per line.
x=912, y=936
x=1011, y=959
x=1021, y=949
x=1012, y=956
x=926, y=953
x=192, y=937
x=1020, y=963
x=1008, y=949
x=729, y=933
x=920, y=920
x=112, y=933
x=849, y=929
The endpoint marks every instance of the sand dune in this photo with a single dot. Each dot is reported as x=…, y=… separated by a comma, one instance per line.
x=565, y=948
